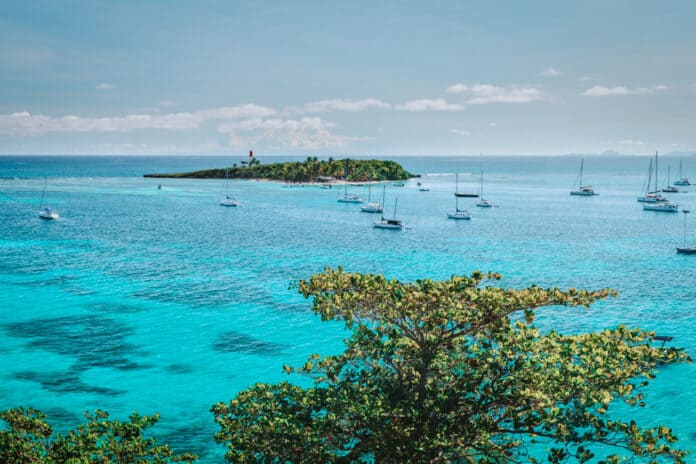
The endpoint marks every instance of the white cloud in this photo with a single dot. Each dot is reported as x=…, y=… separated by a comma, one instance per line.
x=325, y=106
x=587, y=79
x=438, y=104
x=105, y=86
x=167, y=103
x=481, y=94
x=460, y=132
x=235, y=112
x=602, y=91
x=624, y=142
x=305, y=133
x=550, y=72
x=492, y=124
x=25, y=123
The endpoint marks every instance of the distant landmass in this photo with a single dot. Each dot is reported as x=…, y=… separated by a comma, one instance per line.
x=309, y=170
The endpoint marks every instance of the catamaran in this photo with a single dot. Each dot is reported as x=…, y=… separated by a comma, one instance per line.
x=582, y=190
x=45, y=212
x=682, y=180
x=669, y=188
x=393, y=223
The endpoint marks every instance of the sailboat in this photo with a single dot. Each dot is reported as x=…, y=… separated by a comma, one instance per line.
x=686, y=250
x=458, y=213
x=372, y=206
x=228, y=200
x=669, y=188
x=483, y=203
x=649, y=196
x=583, y=190
x=393, y=224
x=45, y=212
x=457, y=193
x=348, y=197
x=682, y=180
x=660, y=204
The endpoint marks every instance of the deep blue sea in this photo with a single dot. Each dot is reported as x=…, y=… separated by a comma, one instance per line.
x=160, y=300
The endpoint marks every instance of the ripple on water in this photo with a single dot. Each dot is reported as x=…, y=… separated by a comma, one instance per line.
x=93, y=340
x=65, y=382
x=235, y=342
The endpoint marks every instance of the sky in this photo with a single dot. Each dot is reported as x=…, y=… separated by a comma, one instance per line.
x=347, y=77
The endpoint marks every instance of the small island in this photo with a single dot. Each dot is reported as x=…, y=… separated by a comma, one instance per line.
x=310, y=170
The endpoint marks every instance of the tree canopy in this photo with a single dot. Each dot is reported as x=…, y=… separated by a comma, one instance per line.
x=29, y=439
x=306, y=171
x=453, y=371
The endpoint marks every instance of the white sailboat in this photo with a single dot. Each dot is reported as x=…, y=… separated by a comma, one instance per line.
x=457, y=193
x=46, y=212
x=346, y=197
x=372, y=206
x=648, y=195
x=393, y=224
x=660, y=204
x=582, y=190
x=483, y=203
x=682, y=180
x=669, y=188
x=228, y=200
x=458, y=213
x=686, y=250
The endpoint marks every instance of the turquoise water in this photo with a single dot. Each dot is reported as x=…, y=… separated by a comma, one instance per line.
x=163, y=301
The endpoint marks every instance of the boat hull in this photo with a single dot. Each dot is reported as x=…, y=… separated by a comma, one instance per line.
x=660, y=207
x=350, y=200
x=583, y=193
x=686, y=250
x=370, y=208
x=459, y=216
x=228, y=202
x=385, y=225
x=466, y=195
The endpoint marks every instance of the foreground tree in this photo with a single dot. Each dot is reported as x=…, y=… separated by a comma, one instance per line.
x=452, y=371
x=29, y=439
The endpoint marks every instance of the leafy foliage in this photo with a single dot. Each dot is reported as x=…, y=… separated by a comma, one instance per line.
x=29, y=439
x=305, y=171
x=452, y=371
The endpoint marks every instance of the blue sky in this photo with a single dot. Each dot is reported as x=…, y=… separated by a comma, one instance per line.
x=359, y=77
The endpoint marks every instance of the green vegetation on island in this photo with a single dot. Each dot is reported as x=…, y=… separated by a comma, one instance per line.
x=450, y=371
x=310, y=170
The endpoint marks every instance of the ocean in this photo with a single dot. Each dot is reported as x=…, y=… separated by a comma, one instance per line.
x=160, y=300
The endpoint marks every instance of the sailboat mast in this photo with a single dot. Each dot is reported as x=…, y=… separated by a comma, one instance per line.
x=43, y=192
x=481, y=193
x=656, y=188
x=456, y=183
x=685, y=213
x=582, y=163
x=384, y=193
x=396, y=202
x=647, y=187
